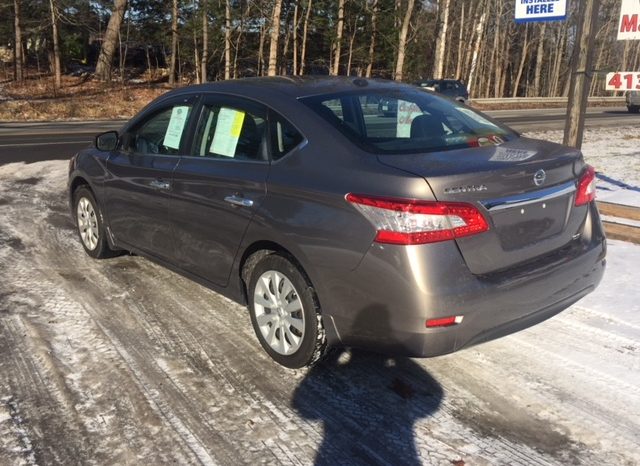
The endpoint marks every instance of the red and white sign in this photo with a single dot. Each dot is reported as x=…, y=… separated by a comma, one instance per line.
x=623, y=81
x=629, y=25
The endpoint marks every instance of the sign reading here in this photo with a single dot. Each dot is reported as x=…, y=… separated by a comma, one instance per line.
x=629, y=27
x=540, y=10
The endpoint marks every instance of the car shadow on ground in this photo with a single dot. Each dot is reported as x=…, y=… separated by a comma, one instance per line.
x=368, y=405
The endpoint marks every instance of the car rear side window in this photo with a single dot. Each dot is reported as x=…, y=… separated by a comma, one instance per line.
x=231, y=132
x=407, y=121
x=285, y=137
x=161, y=133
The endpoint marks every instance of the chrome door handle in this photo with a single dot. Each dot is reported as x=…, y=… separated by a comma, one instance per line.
x=159, y=184
x=237, y=200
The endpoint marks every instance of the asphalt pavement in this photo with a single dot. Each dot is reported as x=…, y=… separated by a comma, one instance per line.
x=33, y=142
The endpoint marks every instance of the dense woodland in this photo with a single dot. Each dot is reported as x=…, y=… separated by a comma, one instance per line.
x=188, y=41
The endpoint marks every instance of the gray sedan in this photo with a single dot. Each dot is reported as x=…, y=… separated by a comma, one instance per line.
x=417, y=235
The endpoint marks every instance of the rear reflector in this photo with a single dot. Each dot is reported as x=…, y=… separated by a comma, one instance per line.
x=410, y=221
x=444, y=321
x=586, y=187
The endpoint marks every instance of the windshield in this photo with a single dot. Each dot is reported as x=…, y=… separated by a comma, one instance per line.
x=402, y=121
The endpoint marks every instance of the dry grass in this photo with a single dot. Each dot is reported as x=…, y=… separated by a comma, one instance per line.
x=78, y=98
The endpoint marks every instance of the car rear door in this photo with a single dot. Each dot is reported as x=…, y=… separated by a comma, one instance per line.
x=219, y=186
x=138, y=187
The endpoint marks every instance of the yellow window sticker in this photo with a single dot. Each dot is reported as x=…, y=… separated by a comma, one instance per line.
x=176, y=127
x=228, y=127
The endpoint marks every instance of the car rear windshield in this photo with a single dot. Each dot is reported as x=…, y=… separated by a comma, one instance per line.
x=401, y=122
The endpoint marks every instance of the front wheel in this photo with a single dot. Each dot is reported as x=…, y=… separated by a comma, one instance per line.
x=285, y=314
x=89, y=223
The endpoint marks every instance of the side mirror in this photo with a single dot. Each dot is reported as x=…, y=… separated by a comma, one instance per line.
x=107, y=142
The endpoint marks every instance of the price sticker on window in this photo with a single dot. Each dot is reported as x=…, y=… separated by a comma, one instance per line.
x=623, y=81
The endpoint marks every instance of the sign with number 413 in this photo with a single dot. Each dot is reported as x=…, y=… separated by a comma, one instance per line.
x=623, y=81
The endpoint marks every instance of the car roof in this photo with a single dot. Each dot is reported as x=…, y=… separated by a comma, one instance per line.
x=293, y=86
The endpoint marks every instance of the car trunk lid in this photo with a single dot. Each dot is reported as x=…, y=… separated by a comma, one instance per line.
x=525, y=188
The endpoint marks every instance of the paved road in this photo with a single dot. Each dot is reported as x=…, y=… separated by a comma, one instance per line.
x=32, y=142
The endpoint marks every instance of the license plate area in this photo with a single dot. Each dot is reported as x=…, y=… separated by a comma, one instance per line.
x=521, y=226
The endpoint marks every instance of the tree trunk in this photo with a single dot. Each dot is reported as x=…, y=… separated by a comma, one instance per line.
x=441, y=41
x=402, y=41
x=523, y=59
x=205, y=41
x=476, y=50
x=372, y=43
x=460, y=41
x=57, y=71
x=338, y=45
x=581, y=74
x=295, y=39
x=18, y=62
x=273, y=39
x=305, y=30
x=539, y=61
x=227, y=39
x=174, y=43
x=103, y=67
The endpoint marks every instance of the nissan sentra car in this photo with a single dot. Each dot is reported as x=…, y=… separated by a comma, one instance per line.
x=417, y=235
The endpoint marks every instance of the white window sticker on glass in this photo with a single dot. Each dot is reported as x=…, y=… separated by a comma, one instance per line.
x=228, y=128
x=407, y=111
x=176, y=127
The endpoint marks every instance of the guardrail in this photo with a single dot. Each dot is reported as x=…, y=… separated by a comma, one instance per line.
x=546, y=100
x=620, y=222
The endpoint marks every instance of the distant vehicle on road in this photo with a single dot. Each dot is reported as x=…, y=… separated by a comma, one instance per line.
x=419, y=235
x=633, y=101
x=451, y=88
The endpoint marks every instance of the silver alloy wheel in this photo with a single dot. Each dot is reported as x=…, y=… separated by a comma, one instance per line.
x=87, y=223
x=278, y=312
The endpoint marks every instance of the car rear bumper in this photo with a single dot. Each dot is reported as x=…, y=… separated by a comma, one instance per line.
x=387, y=300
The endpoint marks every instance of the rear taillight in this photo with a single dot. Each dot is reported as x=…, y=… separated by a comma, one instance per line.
x=586, y=187
x=410, y=221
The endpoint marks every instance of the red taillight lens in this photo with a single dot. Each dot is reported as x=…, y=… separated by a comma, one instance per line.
x=410, y=221
x=586, y=187
x=444, y=321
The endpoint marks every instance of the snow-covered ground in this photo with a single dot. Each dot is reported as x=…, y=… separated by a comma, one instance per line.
x=615, y=154
x=124, y=362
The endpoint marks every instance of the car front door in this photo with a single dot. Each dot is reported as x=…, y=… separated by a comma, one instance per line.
x=138, y=186
x=219, y=186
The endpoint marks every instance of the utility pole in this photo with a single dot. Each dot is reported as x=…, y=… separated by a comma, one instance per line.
x=581, y=70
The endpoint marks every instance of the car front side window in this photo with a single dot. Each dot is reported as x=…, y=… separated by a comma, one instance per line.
x=162, y=133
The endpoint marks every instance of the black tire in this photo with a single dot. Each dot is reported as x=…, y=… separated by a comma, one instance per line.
x=633, y=109
x=312, y=345
x=101, y=250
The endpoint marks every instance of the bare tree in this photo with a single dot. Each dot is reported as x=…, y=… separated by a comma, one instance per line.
x=305, y=32
x=338, y=44
x=227, y=39
x=402, y=40
x=174, y=43
x=476, y=50
x=103, y=67
x=205, y=40
x=441, y=42
x=18, y=61
x=372, y=43
x=57, y=71
x=275, y=35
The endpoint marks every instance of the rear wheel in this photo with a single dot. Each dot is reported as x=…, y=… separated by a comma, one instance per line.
x=285, y=314
x=90, y=225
